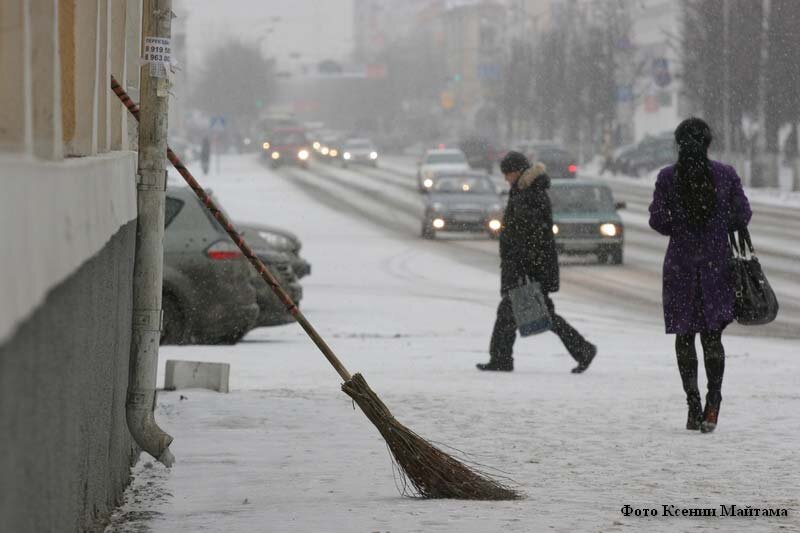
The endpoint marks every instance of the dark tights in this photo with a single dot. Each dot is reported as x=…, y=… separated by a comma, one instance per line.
x=714, y=357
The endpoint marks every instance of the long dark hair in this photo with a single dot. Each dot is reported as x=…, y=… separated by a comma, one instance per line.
x=693, y=171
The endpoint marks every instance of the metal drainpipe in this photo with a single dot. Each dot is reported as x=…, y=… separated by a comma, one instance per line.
x=149, y=261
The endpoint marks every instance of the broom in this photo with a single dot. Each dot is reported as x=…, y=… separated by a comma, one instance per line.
x=431, y=472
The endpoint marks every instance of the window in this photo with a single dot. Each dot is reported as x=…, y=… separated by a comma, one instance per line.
x=358, y=144
x=464, y=184
x=171, y=210
x=581, y=200
x=452, y=157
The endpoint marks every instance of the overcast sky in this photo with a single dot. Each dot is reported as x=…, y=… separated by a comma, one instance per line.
x=315, y=29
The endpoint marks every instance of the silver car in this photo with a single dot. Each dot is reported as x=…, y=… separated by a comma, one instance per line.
x=461, y=201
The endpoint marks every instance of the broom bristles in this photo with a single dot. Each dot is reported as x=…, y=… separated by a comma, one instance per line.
x=432, y=472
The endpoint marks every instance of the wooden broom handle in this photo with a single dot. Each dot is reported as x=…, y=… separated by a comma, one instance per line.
x=266, y=275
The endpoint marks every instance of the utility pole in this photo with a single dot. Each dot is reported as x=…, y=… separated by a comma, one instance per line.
x=726, y=79
x=796, y=176
x=760, y=167
x=149, y=261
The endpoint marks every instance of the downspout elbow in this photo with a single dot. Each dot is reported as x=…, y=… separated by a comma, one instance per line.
x=141, y=398
x=144, y=429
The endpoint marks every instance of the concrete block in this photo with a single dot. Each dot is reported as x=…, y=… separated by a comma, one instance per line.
x=196, y=375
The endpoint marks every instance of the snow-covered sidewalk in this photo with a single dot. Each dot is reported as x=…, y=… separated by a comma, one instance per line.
x=286, y=450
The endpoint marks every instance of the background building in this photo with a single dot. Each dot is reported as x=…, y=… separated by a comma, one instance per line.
x=658, y=100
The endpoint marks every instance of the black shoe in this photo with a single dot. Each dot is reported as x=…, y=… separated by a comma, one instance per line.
x=586, y=359
x=695, y=416
x=497, y=366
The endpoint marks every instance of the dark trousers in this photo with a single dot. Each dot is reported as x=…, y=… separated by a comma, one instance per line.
x=714, y=358
x=501, y=347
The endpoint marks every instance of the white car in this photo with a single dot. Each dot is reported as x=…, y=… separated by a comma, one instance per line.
x=359, y=151
x=435, y=161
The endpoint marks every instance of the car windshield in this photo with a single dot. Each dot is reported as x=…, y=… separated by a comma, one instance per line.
x=464, y=185
x=581, y=199
x=359, y=144
x=290, y=138
x=553, y=154
x=452, y=157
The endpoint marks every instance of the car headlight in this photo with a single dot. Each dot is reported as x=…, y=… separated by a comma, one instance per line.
x=428, y=183
x=373, y=155
x=302, y=155
x=555, y=229
x=438, y=223
x=316, y=145
x=346, y=156
x=333, y=153
x=609, y=230
x=274, y=240
x=265, y=146
x=276, y=155
x=494, y=224
x=324, y=150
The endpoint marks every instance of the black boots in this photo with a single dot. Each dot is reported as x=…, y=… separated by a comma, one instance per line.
x=497, y=365
x=695, y=417
x=585, y=358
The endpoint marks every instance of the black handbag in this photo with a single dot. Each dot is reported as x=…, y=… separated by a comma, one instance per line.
x=755, y=302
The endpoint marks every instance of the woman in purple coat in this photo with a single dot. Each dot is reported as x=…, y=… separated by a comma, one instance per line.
x=696, y=203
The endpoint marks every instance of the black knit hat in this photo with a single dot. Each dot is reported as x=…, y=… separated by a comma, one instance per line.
x=514, y=161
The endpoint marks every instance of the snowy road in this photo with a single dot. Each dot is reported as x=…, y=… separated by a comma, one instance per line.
x=285, y=451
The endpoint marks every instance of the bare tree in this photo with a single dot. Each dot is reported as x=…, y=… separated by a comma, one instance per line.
x=236, y=82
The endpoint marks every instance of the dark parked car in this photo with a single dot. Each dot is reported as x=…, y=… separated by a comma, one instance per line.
x=560, y=162
x=267, y=246
x=207, y=293
x=585, y=220
x=272, y=312
x=461, y=201
x=280, y=240
x=650, y=153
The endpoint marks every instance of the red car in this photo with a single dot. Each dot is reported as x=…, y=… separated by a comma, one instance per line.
x=287, y=146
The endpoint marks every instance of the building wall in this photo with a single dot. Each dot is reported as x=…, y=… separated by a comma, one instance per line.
x=68, y=214
x=64, y=364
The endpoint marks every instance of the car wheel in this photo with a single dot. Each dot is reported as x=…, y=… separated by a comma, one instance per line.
x=428, y=232
x=173, y=330
x=232, y=338
x=602, y=258
x=616, y=256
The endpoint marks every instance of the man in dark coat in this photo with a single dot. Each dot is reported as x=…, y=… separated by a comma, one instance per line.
x=528, y=250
